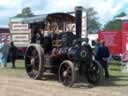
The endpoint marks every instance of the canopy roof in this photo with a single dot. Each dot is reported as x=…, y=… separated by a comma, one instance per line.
x=40, y=18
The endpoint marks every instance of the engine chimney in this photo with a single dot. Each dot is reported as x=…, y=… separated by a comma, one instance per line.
x=78, y=18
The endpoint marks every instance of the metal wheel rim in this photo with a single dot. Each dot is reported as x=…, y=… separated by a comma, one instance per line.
x=66, y=74
x=94, y=72
x=32, y=62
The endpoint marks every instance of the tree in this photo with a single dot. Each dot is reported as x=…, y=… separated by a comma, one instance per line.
x=121, y=14
x=114, y=24
x=92, y=21
x=26, y=12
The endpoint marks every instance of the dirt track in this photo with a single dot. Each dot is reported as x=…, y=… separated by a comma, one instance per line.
x=27, y=87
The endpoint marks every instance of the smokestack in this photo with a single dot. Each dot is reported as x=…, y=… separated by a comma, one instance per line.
x=78, y=16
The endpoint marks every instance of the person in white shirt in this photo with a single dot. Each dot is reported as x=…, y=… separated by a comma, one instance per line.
x=4, y=48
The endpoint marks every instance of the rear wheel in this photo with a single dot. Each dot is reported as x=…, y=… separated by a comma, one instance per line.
x=94, y=72
x=34, y=61
x=67, y=73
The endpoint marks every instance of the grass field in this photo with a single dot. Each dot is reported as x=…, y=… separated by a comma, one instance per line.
x=19, y=71
x=115, y=72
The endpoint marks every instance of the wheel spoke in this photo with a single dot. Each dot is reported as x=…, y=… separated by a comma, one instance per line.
x=34, y=53
x=94, y=73
x=29, y=56
x=29, y=65
x=35, y=71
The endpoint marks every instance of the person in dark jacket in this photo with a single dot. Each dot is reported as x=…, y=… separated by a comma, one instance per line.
x=12, y=53
x=97, y=51
x=102, y=55
x=105, y=56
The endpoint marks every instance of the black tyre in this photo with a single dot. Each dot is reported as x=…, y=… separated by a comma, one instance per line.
x=34, y=61
x=67, y=73
x=94, y=72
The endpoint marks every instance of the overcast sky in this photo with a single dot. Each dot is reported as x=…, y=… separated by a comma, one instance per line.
x=106, y=9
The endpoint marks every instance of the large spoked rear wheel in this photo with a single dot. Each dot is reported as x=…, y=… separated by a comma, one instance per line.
x=94, y=72
x=67, y=73
x=34, y=61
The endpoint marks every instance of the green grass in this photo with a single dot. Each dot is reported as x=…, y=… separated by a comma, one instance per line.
x=117, y=74
x=117, y=77
x=19, y=71
x=115, y=70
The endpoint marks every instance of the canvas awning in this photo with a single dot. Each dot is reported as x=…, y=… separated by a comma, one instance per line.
x=39, y=18
x=33, y=19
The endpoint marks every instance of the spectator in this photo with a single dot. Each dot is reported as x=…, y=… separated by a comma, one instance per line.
x=4, y=48
x=102, y=55
x=12, y=53
x=97, y=50
x=105, y=55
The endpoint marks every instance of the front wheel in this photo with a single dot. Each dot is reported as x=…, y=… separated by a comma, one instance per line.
x=34, y=61
x=94, y=72
x=67, y=73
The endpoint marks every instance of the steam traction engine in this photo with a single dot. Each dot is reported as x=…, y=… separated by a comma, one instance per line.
x=60, y=51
